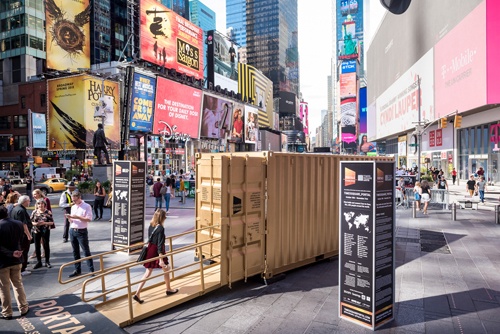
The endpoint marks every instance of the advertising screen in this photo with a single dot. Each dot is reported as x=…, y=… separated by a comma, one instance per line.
x=177, y=111
x=143, y=100
x=349, y=137
x=348, y=66
x=365, y=147
x=39, y=130
x=217, y=116
x=363, y=115
x=348, y=112
x=169, y=40
x=348, y=7
x=304, y=112
x=348, y=30
x=348, y=49
x=287, y=102
x=68, y=34
x=225, y=58
x=75, y=111
x=348, y=85
x=238, y=123
x=251, y=125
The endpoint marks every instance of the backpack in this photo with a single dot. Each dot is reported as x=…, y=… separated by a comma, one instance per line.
x=163, y=190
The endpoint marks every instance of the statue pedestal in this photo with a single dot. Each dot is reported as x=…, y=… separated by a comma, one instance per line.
x=103, y=173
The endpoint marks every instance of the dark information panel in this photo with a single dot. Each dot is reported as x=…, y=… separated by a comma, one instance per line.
x=129, y=179
x=366, y=242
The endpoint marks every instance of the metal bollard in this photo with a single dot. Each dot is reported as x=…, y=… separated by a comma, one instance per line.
x=414, y=209
x=497, y=214
x=454, y=211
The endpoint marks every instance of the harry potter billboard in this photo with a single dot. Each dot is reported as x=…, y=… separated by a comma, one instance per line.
x=75, y=109
x=169, y=40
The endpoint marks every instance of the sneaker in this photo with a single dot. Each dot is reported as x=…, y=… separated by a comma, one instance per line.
x=48, y=265
x=74, y=274
x=38, y=265
x=25, y=273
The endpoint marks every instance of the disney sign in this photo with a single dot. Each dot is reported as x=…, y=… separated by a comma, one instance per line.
x=169, y=132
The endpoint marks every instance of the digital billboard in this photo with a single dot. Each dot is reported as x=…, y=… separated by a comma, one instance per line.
x=348, y=66
x=348, y=111
x=365, y=147
x=238, y=123
x=348, y=136
x=177, y=110
x=348, y=49
x=143, y=100
x=39, y=126
x=169, y=40
x=68, y=34
x=287, y=103
x=304, y=114
x=75, y=110
x=348, y=7
x=217, y=116
x=348, y=30
x=251, y=125
x=363, y=109
x=348, y=85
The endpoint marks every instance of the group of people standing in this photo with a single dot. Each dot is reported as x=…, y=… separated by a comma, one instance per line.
x=164, y=191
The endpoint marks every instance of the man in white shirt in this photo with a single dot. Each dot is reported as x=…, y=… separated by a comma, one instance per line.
x=81, y=215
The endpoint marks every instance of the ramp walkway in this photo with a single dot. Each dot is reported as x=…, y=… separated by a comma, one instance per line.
x=116, y=302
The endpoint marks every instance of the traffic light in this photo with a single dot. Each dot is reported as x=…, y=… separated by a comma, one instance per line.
x=161, y=140
x=458, y=121
x=53, y=144
x=444, y=123
x=11, y=141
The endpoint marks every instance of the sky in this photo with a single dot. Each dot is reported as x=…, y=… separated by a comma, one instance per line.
x=315, y=48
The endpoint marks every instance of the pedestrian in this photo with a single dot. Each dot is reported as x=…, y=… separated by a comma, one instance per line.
x=155, y=248
x=42, y=220
x=3, y=189
x=426, y=194
x=100, y=195
x=471, y=185
x=157, y=194
x=20, y=213
x=442, y=185
x=11, y=202
x=182, y=188
x=167, y=194
x=8, y=187
x=110, y=199
x=454, y=175
x=417, y=190
x=481, y=188
x=480, y=172
x=66, y=203
x=401, y=185
x=151, y=183
x=43, y=176
x=11, y=234
x=37, y=194
x=29, y=187
x=81, y=215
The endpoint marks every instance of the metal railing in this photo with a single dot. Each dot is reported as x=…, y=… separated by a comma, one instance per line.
x=438, y=197
x=102, y=273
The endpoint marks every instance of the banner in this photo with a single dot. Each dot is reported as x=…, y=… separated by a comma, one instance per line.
x=348, y=112
x=238, y=123
x=177, y=112
x=169, y=40
x=222, y=59
x=348, y=85
x=143, y=99
x=39, y=128
x=217, y=115
x=68, y=34
x=251, y=124
x=75, y=110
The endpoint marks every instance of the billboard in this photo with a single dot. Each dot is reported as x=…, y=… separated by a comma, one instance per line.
x=251, y=125
x=143, y=100
x=68, y=34
x=460, y=63
x=304, y=114
x=348, y=137
x=348, y=111
x=365, y=147
x=217, y=116
x=348, y=7
x=287, y=103
x=222, y=58
x=169, y=40
x=177, y=110
x=348, y=30
x=75, y=110
x=348, y=85
x=256, y=88
x=398, y=106
x=363, y=118
x=39, y=126
x=238, y=123
x=348, y=66
x=348, y=49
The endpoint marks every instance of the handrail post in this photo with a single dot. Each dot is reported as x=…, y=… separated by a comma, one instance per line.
x=171, y=256
x=103, y=281
x=202, y=275
x=129, y=292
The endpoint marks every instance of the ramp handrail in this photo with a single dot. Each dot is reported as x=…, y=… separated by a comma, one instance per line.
x=101, y=259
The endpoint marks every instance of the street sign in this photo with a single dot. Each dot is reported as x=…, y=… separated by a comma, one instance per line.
x=31, y=161
x=28, y=151
x=413, y=145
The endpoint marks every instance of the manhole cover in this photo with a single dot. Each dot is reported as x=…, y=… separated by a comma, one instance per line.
x=399, y=239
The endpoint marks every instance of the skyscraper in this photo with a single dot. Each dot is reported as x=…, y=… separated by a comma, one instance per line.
x=181, y=7
x=269, y=30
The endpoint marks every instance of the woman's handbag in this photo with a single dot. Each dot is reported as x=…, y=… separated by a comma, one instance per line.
x=109, y=202
x=144, y=251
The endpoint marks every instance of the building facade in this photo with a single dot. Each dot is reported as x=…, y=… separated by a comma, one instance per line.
x=236, y=21
x=205, y=18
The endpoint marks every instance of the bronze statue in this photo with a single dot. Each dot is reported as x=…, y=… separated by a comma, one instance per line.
x=100, y=143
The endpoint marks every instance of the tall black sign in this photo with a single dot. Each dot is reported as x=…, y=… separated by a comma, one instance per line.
x=366, y=274
x=129, y=181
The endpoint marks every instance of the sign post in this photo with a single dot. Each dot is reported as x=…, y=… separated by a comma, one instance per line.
x=129, y=203
x=367, y=267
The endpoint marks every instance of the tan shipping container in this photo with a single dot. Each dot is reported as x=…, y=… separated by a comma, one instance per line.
x=279, y=211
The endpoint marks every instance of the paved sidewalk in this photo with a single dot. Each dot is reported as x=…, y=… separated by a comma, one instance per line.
x=449, y=288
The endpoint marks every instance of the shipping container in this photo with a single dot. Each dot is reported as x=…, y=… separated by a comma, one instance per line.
x=276, y=211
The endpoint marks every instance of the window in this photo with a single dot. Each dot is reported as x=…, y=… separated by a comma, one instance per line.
x=23, y=102
x=43, y=99
x=5, y=122
x=16, y=69
x=20, y=142
x=20, y=121
x=4, y=143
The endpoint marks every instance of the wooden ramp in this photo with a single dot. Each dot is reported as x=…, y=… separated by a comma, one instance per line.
x=155, y=299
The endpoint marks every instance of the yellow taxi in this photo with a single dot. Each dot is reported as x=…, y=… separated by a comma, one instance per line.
x=50, y=185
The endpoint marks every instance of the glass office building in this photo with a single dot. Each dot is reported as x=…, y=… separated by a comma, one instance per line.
x=204, y=18
x=236, y=20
